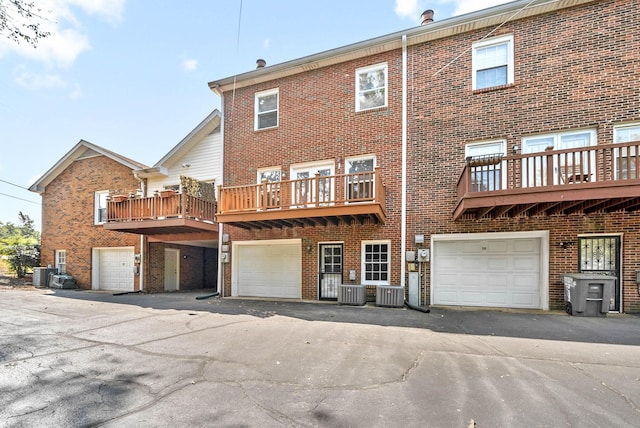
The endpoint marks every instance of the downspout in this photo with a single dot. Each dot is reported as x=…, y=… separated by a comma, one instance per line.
x=220, y=225
x=141, y=263
x=403, y=198
x=143, y=187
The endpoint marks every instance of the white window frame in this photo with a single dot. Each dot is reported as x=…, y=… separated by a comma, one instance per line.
x=348, y=183
x=628, y=170
x=61, y=261
x=273, y=189
x=257, y=111
x=311, y=167
x=385, y=88
x=495, y=41
x=363, y=271
x=555, y=141
x=469, y=148
x=100, y=203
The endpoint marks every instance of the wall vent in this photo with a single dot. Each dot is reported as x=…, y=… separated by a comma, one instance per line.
x=390, y=296
x=349, y=294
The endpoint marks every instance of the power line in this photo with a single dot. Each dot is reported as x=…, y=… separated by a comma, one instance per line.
x=13, y=184
x=21, y=199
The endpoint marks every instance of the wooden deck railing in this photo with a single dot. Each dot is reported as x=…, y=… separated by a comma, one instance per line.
x=551, y=169
x=313, y=192
x=158, y=208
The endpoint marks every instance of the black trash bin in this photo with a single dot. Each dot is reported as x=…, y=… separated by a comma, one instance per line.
x=588, y=294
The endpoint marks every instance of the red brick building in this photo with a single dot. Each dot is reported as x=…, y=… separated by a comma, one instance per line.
x=504, y=142
x=74, y=202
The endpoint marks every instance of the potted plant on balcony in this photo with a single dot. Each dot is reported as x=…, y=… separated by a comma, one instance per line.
x=167, y=192
x=119, y=198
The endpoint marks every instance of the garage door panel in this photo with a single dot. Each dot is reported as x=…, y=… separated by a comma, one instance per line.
x=115, y=268
x=487, y=272
x=496, y=299
x=269, y=269
x=496, y=246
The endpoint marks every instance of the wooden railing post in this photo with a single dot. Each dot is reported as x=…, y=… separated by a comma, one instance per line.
x=550, y=179
x=317, y=189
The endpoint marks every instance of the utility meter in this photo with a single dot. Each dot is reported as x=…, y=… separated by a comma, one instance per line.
x=423, y=255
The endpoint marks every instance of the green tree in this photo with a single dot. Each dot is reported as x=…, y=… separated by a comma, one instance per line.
x=20, y=245
x=20, y=21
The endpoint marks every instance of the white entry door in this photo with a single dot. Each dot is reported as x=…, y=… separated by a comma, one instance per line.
x=171, y=269
x=306, y=189
x=488, y=272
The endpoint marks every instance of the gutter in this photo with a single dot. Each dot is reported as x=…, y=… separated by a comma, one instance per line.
x=403, y=198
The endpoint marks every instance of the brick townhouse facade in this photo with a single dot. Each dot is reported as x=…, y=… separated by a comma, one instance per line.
x=504, y=140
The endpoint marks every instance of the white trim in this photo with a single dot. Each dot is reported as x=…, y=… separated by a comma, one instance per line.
x=256, y=111
x=620, y=127
x=234, y=258
x=503, y=151
x=495, y=41
x=259, y=171
x=362, y=261
x=543, y=235
x=361, y=70
x=97, y=195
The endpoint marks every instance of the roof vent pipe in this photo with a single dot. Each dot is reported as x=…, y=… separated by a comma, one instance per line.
x=426, y=17
x=260, y=63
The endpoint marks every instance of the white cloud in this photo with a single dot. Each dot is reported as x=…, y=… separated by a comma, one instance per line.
x=266, y=43
x=34, y=82
x=68, y=37
x=408, y=8
x=189, y=64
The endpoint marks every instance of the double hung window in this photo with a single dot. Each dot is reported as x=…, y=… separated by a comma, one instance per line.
x=266, y=109
x=371, y=87
x=360, y=178
x=626, y=159
x=269, y=180
x=485, y=161
x=100, y=207
x=61, y=261
x=492, y=62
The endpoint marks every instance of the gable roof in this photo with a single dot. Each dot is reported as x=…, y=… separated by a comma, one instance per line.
x=82, y=150
x=204, y=128
x=490, y=17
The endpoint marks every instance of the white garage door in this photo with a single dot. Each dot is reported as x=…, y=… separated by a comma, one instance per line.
x=487, y=272
x=115, y=269
x=268, y=268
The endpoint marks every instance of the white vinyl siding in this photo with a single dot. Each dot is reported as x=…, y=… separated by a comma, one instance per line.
x=204, y=160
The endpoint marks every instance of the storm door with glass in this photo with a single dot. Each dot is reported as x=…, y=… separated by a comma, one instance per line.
x=601, y=254
x=330, y=270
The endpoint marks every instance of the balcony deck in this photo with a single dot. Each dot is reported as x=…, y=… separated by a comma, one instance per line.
x=601, y=178
x=315, y=201
x=156, y=215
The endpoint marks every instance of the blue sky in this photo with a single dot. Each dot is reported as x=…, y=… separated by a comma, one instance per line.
x=131, y=76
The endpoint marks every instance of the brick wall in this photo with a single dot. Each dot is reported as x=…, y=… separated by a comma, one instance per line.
x=68, y=214
x=574, y=69
x=318, y=122
x=198, y=267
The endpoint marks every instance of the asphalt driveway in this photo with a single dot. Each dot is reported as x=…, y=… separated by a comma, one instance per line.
x=78, y=358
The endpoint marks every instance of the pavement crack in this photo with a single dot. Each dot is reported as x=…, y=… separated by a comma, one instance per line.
x=629, y=401
x=416, y=363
